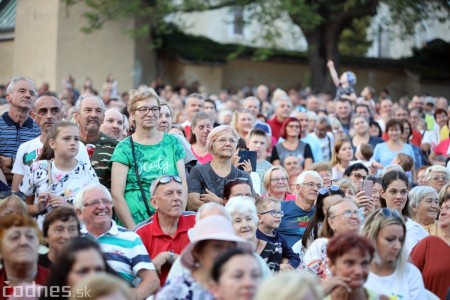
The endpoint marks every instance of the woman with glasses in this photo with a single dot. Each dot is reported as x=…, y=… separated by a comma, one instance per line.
x=327, y=197
x=394, y=195
x=141, y=158
x=243, y=121
x=424, y=208
x=276, y=184
x=341, y=158
x=431, y=255
x=385, y=152
x=206, y=182
x=292, y=144
x=389, y=271
x=341, y=217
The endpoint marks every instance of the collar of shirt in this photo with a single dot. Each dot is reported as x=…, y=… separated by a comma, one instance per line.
x=28, y=122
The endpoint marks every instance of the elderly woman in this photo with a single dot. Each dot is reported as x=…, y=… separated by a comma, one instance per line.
x=200, y=129
x=141, y=158
x=206, y=182
x=19, y=243
x=431, y=255
x=243, y=121
x=292, y=144
x=390, y=272
x=437, y=177
x=424, y=208
x=210, y=237
x=12, y=204
x=341, y=217
x=276, y=184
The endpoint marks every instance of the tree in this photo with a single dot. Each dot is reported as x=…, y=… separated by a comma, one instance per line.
x=322, y=21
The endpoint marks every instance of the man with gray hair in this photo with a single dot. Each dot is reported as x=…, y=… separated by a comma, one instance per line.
x=16, y=125
x=298, y=213
x=165, y=234
x=123, y=248
x=194, y=103
x=89, y=114
x=283, y=109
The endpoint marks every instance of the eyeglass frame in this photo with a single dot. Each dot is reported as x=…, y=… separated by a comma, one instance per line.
x=311, y=185
x=96, y=202
x=166, y=179
x=324, y=190
x=274, y=213
x=359, y=176
x=348, y=212
x=156, y=110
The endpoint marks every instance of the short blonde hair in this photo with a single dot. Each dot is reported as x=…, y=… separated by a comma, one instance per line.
x=320, y=166
x=18, y=202
x=139, y=95
x=346, y=184
x=295, y=285
x=266, y=180
x=235, y=117
x=218, y=131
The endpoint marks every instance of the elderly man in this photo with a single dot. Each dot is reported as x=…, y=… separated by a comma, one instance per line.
x=47, y=110
x=194, y=104
x=19, y=244
x=89, y=113
x=123, y=248
x=437, y=177
x=113, y=124
x=165, y=234
x=298, y=213
x=16, y=125
x=254, y=106
x=283, y=108
x=309, y=138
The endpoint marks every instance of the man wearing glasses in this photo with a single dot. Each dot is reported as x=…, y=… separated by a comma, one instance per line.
x=437, y=177
x=165, y=234
x=89, y=114
x=123, y=249
x=298, y=213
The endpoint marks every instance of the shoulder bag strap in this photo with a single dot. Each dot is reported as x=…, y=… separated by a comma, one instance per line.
x=138, y=177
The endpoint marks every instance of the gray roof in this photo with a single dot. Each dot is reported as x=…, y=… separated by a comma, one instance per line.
x=7, y=15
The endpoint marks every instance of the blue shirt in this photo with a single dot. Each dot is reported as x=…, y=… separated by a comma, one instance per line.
x=314, y=143
x=294, y=222
x=384, y=155
x=12, y=135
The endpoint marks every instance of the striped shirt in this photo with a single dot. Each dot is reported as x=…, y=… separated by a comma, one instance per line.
x=124, y=251
x=12, y=135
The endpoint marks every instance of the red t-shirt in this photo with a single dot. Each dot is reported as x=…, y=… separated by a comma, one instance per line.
x=442, y=147
x=275, y=125
x=156, y=241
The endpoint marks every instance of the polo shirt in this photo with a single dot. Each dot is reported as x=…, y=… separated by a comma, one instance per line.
x=123, y=250
x=12, y=135
x=156, y=241
x=104, y=148
x=294, y=222
x=40, y=279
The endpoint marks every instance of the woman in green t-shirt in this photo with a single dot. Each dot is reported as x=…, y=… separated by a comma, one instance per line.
x=155, y=153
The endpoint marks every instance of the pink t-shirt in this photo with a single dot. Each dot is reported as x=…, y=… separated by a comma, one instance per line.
x=202, y=159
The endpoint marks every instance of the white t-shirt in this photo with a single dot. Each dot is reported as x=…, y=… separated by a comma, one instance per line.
x=30, y=151
x=414, y=234
x=406, y=286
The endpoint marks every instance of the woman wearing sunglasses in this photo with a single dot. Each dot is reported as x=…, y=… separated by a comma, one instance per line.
x=389, y=271
x=327, y=197
x=141, y=158
x=341, y=217
x=394, y=195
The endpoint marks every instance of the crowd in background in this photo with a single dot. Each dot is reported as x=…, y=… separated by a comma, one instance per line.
x=253, y=193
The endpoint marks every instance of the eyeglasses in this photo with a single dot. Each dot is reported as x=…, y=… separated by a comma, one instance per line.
x=325, y=190
x=358, y=176
x=274, y=213
x=293, y=126
x=167, y=179
x=312, y=184
x=236, y=179
x=439, y=178
x=96, y=202
x=347, y=214
x=223, y=141
x=144, y=110
x=283, y=179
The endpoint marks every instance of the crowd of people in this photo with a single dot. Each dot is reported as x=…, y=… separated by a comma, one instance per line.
x=259, y=193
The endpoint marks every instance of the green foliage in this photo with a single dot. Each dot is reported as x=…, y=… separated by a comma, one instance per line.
x=353, y=40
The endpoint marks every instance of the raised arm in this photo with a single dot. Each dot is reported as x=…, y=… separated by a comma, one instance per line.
x=333, y=73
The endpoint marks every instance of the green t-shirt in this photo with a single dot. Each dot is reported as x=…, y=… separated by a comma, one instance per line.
x=152, y=161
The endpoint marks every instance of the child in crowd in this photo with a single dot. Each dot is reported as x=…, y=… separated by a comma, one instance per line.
x=363, y=154
x=257, y=141
x=406, y=162
x=270, y=214
x=345, y=84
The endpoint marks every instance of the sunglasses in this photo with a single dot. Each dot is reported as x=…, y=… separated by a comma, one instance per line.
x=325, y=190
x=167, y=179
x=236, y=179
x=389, y=213
x=6, y=194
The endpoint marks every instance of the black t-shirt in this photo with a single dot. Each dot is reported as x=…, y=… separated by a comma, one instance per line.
x=44, y=261
x=203, y=176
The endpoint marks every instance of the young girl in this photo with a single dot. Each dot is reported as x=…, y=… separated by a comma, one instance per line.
x=57, y=176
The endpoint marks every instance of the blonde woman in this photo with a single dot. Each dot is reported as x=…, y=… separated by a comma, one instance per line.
x=341, y=158
x=276, y=184
x=141, y=158
x=243, y=121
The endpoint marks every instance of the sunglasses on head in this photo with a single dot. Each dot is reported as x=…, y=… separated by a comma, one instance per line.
x=6, y=194
x=168, y=178
x=325, y=190
x=236, y=179
x=388, y=213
